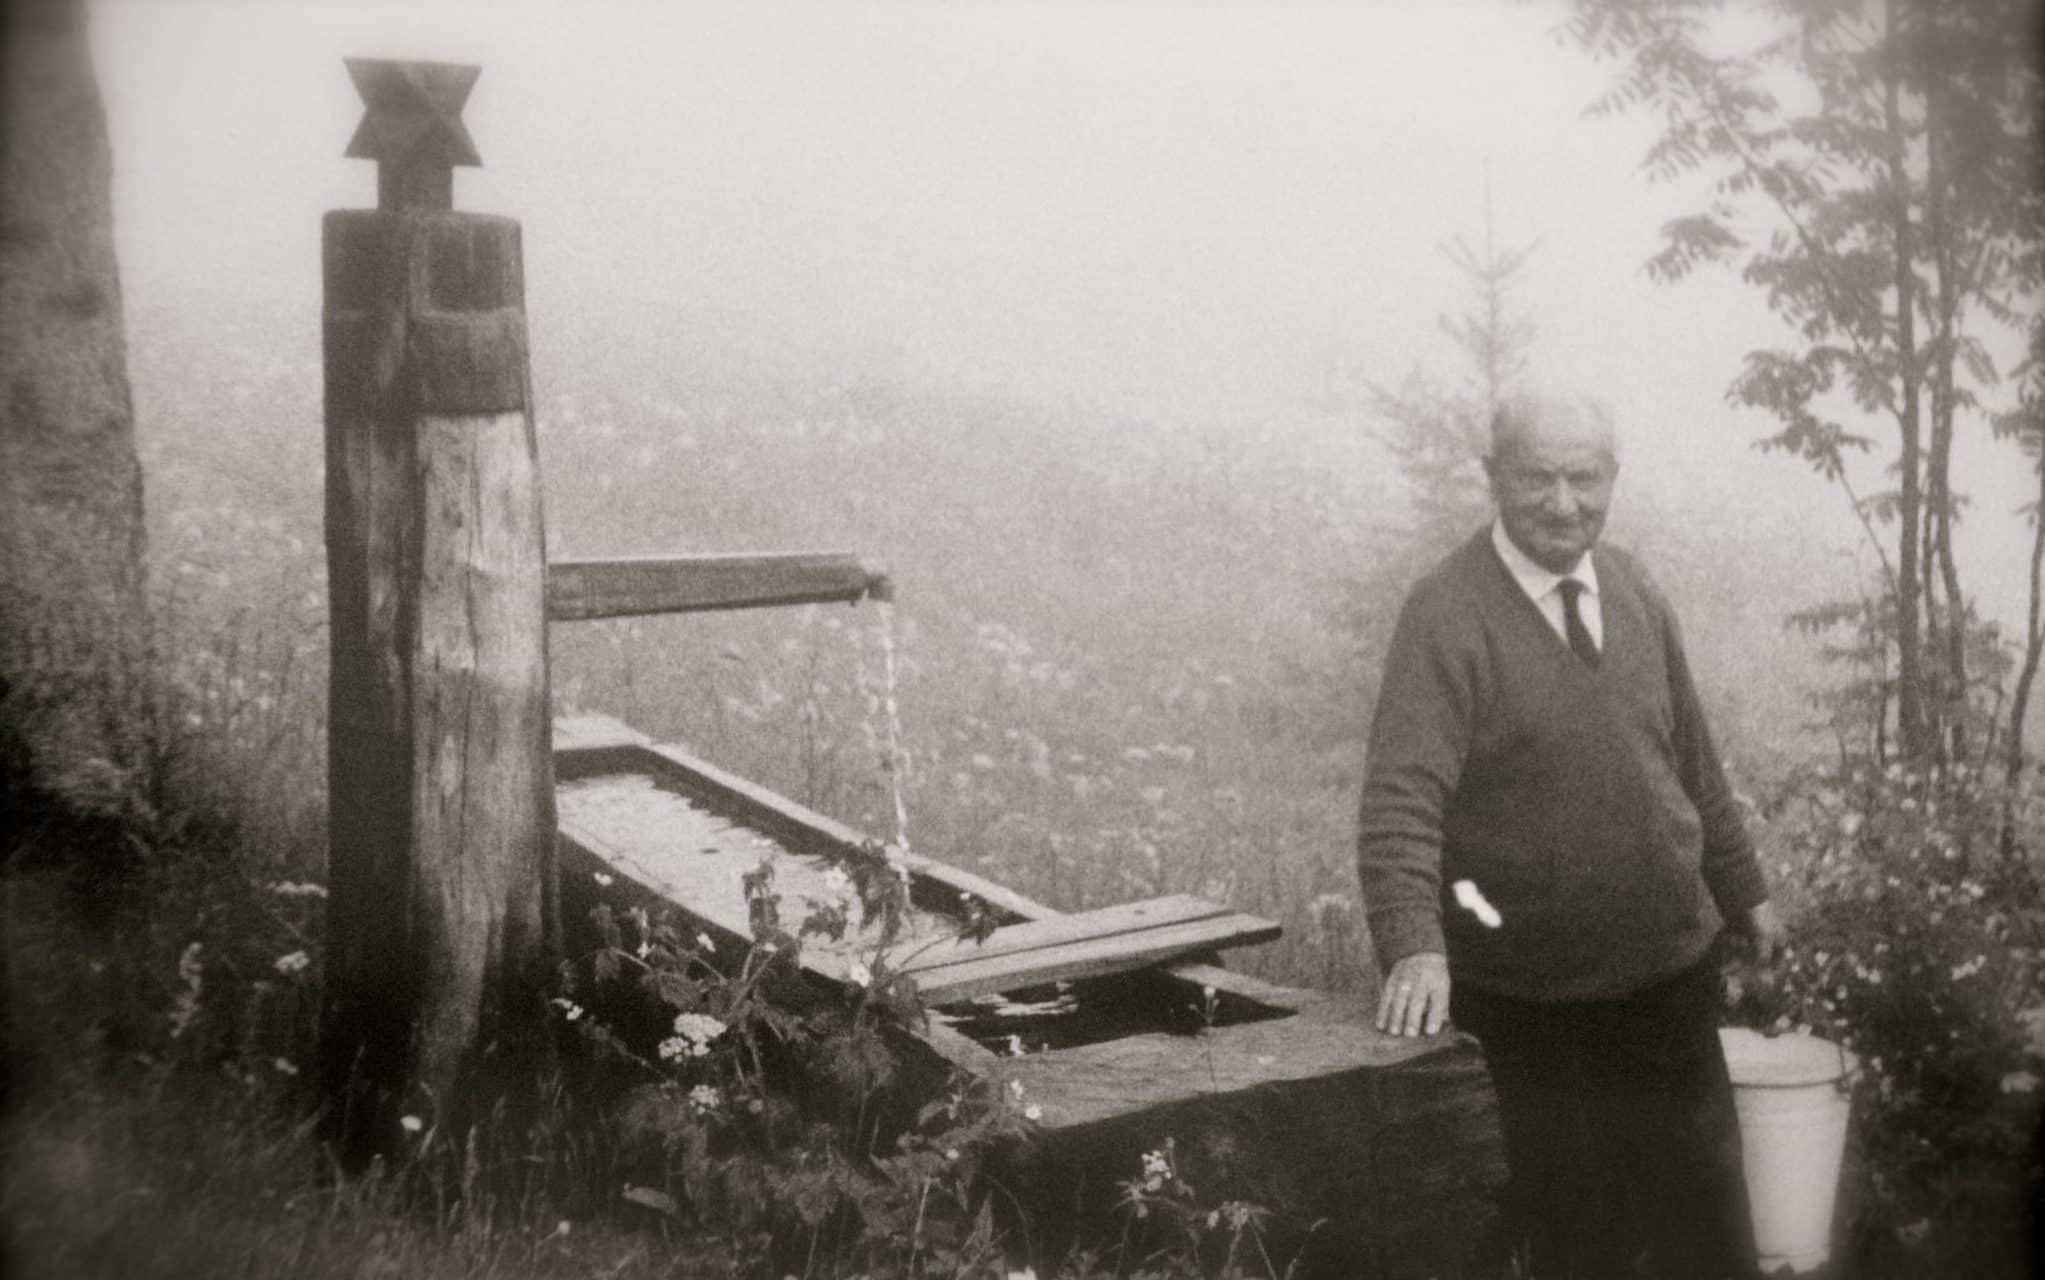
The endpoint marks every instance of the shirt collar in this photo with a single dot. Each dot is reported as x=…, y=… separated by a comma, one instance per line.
x=1533, y=579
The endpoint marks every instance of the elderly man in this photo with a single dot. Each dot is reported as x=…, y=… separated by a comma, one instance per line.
x=1548, y=850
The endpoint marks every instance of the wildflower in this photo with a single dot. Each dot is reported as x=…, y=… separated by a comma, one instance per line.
x=1970, y=968
x=411, y=1124
x=569, y=1009
x=858, y=974
x=2020, y=1082
x=284, y=1066
x=292, y=962
x=755, y=1106
x=644, y=949
x=698, y=1029
x=951, y=1153
x=703, y=943
x=837, y=881
x=604, y=881
x=673, y=1047
x=1157, y=1166
x=1015, y=1046
x=704, y=1098
x=2033, y=1022
x=1015, y=1090
x=1033, y=1113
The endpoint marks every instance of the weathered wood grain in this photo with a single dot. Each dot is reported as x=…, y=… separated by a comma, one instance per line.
x=1055, y=930
x=1088, y=957
x=1377, y=1155
x=441, y=913
x=635, y=585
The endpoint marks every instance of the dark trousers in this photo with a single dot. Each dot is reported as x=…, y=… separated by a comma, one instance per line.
x=1621, y=1143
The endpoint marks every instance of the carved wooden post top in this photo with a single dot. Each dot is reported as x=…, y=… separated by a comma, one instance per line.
x=413, y=129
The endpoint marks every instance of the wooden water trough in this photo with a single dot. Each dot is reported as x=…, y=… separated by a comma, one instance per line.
x=1378, y=1155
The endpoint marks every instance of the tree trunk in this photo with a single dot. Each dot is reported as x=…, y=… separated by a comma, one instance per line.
x=1911, y=719
x=1953, y=678
x=72, y=620
x=2034, y=633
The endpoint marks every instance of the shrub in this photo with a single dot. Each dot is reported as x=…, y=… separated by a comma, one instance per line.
x=1919, y=943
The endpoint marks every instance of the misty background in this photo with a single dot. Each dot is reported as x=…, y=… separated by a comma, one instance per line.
x=1067, y=312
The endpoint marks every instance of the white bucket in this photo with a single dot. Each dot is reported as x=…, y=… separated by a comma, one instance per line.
x=1792, y=1092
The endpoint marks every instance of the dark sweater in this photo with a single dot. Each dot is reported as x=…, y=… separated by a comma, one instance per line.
x=1586, y=803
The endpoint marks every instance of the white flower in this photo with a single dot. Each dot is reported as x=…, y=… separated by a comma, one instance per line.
x=1015, y=1089
x=644, y=949
x=284, y=1066
x=858, y=974
x=2020, y=1082
x=673, y=1047
x=292, y=962
x=411, y=1124
x=837, y=881
x=569, y=1009
x=703, y=943
x=1015, y=1046
x=704, y=1098
x=603, y=881
x=951, y=1153
x=1033, y=1112
x=696, y=1030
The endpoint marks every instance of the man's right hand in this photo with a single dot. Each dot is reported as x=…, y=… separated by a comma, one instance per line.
x=1415, y=998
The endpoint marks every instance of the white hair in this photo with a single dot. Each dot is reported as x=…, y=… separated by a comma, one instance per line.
x=1520, y=415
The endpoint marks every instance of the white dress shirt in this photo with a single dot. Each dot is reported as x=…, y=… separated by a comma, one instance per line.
x=1543, y=587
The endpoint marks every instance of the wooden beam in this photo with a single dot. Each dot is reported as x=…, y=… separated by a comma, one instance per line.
x=1089, y=958
x=632, y=586
x=1053, y=931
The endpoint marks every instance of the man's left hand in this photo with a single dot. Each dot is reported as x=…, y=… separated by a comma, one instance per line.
x=1765, y=932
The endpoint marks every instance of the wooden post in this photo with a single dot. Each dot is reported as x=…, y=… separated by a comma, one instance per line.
x=442, y=917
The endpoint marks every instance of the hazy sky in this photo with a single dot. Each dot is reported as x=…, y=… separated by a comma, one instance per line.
x=1183, y=210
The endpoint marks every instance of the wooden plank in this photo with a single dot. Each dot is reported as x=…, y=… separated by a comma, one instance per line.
x=1035, y=935
x=1090, y=958
x=632, y=586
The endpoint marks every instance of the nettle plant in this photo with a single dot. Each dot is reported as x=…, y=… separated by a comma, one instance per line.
x=800, y=1123
x=1920, y=946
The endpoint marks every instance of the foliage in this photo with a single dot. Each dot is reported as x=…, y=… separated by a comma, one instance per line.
x=773, y=1118
x=1868, y=167
x=1920, y=945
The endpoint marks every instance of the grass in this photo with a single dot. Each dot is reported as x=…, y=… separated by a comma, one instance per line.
x=1121, y=677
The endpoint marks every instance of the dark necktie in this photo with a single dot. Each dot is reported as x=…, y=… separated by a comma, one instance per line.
x=1572, y=622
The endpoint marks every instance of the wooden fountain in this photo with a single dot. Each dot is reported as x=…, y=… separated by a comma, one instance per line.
x=1378, y=1156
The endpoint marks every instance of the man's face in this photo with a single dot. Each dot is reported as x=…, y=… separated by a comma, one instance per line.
x=1553, y=486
